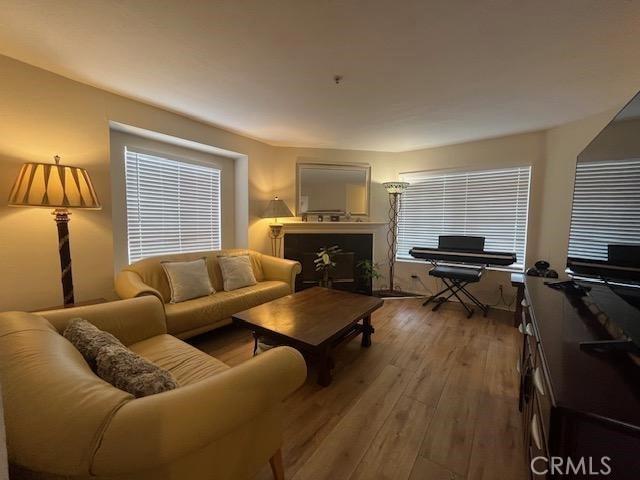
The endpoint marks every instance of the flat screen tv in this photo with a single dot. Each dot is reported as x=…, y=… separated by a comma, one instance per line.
x=604, y=240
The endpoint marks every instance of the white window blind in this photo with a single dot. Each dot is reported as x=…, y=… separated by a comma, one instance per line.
x=487, y=203
x=172, y=206
x=606, y=207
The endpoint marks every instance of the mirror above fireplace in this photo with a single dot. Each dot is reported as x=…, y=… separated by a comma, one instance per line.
x=333, y=189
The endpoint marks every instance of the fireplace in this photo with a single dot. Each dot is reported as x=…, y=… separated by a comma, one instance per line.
x=346, y=275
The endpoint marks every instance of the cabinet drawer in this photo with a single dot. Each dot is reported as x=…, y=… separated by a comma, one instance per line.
x=532, y=347
x=542, y=395
x=537, y=446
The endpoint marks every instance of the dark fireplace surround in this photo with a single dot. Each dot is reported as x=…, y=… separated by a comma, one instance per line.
x=346, y=275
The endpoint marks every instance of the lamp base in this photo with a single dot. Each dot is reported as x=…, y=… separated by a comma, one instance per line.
x=275, y=232
x=275, y=229
x=62, y=222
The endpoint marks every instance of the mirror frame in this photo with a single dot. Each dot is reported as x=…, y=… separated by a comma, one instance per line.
x=362, y=167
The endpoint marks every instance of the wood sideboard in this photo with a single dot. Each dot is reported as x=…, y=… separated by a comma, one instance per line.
x=577, y=407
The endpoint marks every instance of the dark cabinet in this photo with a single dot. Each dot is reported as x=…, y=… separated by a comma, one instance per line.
x=580, y=411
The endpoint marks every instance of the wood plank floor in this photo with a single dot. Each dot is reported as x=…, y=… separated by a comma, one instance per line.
x=435, y=397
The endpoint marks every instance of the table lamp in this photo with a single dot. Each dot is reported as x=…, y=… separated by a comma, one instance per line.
x=276, y=209
x=60, y=187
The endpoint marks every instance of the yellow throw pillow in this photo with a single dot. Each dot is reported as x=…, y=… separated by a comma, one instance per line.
x=188, y=280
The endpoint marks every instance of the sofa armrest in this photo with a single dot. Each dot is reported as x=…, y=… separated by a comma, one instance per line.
x=189, y=418
x=129, y=285
x=275, y=268
x=130, y=321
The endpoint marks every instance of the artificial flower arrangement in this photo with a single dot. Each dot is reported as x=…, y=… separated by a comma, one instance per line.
x=325, y=262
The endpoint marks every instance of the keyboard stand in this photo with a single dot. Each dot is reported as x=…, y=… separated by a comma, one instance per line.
x=456, y=280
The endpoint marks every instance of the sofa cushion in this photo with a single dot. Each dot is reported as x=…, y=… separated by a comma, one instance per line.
x=128, y=371
x=186, y=363
x=88, y=339
x=236, y=272
x=152, y=274
x=206, y=311
x=188, y=279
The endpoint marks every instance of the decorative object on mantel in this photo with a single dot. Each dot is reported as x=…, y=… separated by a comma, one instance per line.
x=325, y=262
x=395, y=190
x=61, y=187
x=276, y=209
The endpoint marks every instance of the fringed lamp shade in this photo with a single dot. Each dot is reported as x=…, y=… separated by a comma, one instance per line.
x=49, y=185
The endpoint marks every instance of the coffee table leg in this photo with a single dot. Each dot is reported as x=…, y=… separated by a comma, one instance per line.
x=324, y=373
x=367, y=330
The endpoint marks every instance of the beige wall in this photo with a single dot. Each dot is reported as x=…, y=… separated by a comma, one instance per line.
x=42, y=114
x=552, y=155
x=514, y=150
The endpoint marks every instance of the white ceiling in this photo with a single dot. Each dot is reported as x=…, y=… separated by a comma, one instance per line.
x=416, y=72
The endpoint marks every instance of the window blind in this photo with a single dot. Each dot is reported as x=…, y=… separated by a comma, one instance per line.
x=490, y=203
x=172, y=206
x=606, y=207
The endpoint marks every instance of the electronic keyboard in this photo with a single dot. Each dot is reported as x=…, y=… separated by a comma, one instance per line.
x=463, y=256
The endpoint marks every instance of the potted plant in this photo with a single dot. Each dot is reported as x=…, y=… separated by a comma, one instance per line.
x=369, y=271
x=325, y=262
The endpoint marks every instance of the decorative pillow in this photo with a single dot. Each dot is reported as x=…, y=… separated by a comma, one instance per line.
x=188, y=280
x=88, y=339
x=236, y=272
x=128, y=371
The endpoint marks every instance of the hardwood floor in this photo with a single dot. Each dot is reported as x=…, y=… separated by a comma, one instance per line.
x=435, y=397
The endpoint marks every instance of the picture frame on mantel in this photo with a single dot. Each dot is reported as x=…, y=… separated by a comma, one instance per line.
x=333, y=190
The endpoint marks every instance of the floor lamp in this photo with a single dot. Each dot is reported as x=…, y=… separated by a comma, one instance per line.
x=276, y=209
x=60, y=187
x=395, y=190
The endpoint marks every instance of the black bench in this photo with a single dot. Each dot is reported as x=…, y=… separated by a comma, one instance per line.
x=456, y=279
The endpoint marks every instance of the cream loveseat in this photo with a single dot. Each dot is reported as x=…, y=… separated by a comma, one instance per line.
x=63, y=421
x=275, y=276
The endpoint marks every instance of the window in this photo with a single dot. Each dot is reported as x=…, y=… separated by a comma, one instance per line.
x=172, y=206
x=606, y=207
x=488, y=203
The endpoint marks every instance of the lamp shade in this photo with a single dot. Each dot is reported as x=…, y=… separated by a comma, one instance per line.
x=53, y=185
x=277, y=209
x=395, y=187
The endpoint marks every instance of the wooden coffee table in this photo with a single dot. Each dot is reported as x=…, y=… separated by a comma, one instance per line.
x=313, y=321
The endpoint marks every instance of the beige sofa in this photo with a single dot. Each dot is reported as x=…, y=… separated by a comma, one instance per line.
x=275, y=276
x=63, y=421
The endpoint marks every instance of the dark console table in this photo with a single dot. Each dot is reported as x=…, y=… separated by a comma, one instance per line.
x=575, y=405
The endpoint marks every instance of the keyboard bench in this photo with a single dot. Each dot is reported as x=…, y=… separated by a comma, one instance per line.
x=456, y=279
